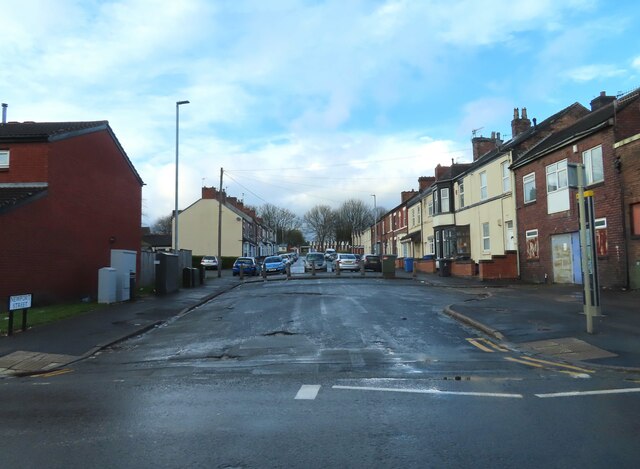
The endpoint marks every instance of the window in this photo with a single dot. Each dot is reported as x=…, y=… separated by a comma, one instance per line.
x=635, y=219
x=461, y=194
x=532, y=244
x=557, y=176
x=601, y=236
x=529, y=188
x=430, y=207
x=592, y=160
x=413, y=217
x=436, y=204
x=506, y=177
x=483, y=185
x=4, y=159
x=486, y=241
x=430, y=244
x=463, y=241
x=444, y=199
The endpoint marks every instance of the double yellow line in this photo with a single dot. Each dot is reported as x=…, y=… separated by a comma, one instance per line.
x=486, y=345
x=538, y=363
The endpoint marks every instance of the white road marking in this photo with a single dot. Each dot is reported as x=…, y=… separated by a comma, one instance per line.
x=429, y=391
x=308, y=391
x=589, y=393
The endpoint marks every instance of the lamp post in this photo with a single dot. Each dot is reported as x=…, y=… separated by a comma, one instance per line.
x=375, y=226
x=178, y=104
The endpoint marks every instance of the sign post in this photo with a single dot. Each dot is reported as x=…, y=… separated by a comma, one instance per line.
x=17, y=302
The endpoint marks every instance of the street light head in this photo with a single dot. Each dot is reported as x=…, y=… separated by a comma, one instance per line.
x=178, y=103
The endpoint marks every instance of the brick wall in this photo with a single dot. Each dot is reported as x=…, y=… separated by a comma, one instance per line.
x=425, y=265
x=630, y=165
x=499, y=267
x=463, y=268
x=54, y=246
x=608, y=204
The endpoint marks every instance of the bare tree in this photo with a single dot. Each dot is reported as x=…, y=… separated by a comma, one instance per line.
x=279, y=219
x=353, y=215
x=163, y=225
x=320, y=221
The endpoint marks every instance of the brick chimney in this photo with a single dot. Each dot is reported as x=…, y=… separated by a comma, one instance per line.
x=519, y=123
x=406, y=195
x=440, y=171
x=425, y=181
x=209, y=193
x=602, y=100
x=483, y=145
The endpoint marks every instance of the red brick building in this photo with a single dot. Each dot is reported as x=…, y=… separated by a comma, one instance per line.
x=68, y=195
x=547, y=213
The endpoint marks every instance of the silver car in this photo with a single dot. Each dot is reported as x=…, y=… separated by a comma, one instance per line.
x=347, y=262
x=314, y=259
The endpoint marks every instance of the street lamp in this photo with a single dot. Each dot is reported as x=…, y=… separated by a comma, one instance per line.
x=178, y=104
x=375, y=226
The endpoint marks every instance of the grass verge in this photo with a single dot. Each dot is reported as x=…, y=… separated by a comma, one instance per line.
x=45, y=315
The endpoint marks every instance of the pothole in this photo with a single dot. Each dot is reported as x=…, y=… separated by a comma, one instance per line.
x=224, y=356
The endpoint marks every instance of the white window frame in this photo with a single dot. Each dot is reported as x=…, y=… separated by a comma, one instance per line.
x=557, y=172
x=600, y=223
x=486, y=238
x=529, y=178
x=436, y=204
x=430, y=207
x=4, y=159
x=587, y=160
x=444, y=196
x=531, y=234
x=461, y=194
x=430, y=244
x=506, y=177
x=484, y=193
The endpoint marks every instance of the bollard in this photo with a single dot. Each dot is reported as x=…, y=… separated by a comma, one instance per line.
x=414, y=274
x=288, y=270
x=313, y=268
x=263, y=271
x=337, y=268
x=362, y=267
x=241, y=271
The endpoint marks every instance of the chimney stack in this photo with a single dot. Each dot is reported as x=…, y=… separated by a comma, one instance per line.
x=483, y=145
x=519, y=124
x=4, y=113
x=424, y=182
x=600, y=101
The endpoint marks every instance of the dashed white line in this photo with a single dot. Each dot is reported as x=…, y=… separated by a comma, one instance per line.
x=589, y=393
x=430, y=391
x=308, y=391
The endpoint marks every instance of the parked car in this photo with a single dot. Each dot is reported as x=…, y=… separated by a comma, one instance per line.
x=347, y=262
x=275, y=265
x=314, y=259
x=249, y=266
x=372, y=262
x=209, y=262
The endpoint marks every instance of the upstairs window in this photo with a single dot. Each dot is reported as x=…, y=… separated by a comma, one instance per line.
x=444, y=199
x=529, y=188
x=461, y=194
x=557, y=176
x=430, y=207
x=506, y=177
x=483, y=186
x=592, y=160
x=436, y=204
x=4, y=159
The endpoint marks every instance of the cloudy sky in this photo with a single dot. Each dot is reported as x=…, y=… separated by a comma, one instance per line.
x=307, y=102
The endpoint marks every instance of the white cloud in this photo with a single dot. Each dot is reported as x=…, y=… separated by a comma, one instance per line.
x=594, y=72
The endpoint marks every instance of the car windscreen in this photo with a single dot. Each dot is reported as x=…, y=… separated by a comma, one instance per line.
x=315, y=257
x=244, y=261
x=273, y=259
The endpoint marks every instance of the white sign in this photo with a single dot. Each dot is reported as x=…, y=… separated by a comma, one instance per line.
x=19, y=302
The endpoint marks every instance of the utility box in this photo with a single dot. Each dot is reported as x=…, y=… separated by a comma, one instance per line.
x=125, y=263
x=167, y=276
x=107, y=284
x=389, y=266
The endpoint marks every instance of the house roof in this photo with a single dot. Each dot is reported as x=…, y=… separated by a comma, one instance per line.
x=13, y=195
x=20, y=132
x=591, y=123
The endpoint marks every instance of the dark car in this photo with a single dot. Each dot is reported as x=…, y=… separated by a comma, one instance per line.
x=249, y=266
x=372, y=262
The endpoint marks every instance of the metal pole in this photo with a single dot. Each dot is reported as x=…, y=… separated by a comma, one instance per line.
x=175, y=212
x=220, y=225
x=586, y=283
x=375, y=226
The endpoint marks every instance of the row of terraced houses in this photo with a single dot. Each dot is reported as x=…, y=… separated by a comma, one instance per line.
x=511, y=214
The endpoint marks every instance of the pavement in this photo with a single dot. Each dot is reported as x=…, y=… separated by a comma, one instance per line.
x=540, y=320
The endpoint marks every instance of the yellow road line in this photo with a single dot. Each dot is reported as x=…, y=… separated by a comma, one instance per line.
x=54, y=373
x=561, y=365
x=511, y=359
x=480, y=346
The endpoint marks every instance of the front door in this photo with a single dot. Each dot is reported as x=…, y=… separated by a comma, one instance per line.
x=562, y=258
x=510, y=236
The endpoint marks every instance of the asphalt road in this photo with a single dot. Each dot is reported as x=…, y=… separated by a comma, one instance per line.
x=345, y=372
